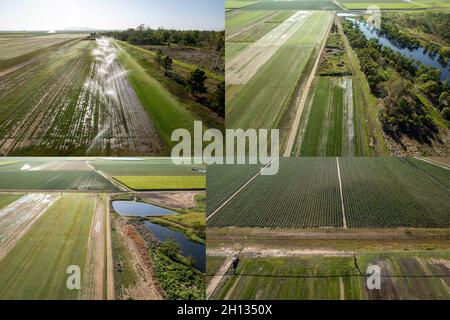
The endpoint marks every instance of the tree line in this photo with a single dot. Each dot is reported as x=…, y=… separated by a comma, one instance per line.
x=404, y=111
x=142, y=35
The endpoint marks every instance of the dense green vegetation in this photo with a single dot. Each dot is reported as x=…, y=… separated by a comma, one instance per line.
x=399, y=82
x=335, y=60
x=192, y=224
x=176, y=276
x=429, y=30
x=146, y=35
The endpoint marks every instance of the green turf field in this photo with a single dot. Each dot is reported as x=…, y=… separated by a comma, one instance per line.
x=36, y=267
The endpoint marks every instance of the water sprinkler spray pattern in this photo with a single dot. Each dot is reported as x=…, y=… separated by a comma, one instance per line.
x=112, y=109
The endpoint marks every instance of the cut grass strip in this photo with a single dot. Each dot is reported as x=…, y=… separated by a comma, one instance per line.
x=166, y=113
x=163, y=182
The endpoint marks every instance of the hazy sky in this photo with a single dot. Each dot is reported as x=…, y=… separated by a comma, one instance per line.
x=111, y=14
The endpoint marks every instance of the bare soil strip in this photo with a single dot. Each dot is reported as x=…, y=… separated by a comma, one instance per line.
x=258, y=252
x=344, y=220
x=95, y=263
x=230, y=37
x=240, y=189
x=175, y=199
x=217, y=279
x=146, y=287
x=17, y=218
x=110, y=292
x=241, y=68
x=301, y=101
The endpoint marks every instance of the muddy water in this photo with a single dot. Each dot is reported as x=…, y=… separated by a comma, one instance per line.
x=188, y=248
x=139, y=209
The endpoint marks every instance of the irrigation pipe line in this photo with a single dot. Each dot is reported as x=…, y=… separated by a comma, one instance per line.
x=240, y=189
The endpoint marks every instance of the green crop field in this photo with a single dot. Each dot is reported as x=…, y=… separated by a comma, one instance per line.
x=147, y=167
x=396, y=4
x=246, y=27
x=392, y=192
x=294, y=5
x=236, y=4
x=324, y=130
x=36, y=267
x=163, y=182
x=54, y=180
x=6, y=199
x=292, y=198
x=377, y=192
x=263, y=100
x=415, y=275
x=63, y=100
x=221, y=187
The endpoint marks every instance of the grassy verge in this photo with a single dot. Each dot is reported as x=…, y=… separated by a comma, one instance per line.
x=191, y=224
x=145, y=59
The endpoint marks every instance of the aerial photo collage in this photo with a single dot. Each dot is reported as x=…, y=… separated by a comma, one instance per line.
x=224, y=150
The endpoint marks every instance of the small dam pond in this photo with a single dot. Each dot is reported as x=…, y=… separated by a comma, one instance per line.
x=139, y=209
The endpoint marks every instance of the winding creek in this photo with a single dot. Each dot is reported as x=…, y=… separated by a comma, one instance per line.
x=187, y=247
x=141, y=209
x=418, y=54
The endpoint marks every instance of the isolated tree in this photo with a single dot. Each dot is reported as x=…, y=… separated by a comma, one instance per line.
x=195, y=84
x=159, y=58
x=167, y=64
x=218, y=99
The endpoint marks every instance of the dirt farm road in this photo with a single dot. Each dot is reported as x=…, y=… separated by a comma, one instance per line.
x=217, y=279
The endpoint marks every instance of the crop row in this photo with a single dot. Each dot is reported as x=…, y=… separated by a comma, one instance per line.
x=305, y=195
x=377, y=192
x=221, y=186
x=390, y=192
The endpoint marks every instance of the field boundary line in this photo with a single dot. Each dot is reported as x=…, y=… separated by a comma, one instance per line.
x=240, y=189
x=344, y=220
x=301, y=101
x=432, y=163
